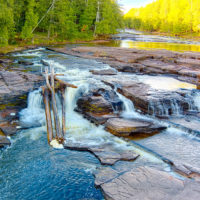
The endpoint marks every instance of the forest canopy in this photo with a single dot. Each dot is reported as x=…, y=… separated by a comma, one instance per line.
x=60, y=19
x=172, y=16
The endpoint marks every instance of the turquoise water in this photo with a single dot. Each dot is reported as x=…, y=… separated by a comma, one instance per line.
x=31, y=169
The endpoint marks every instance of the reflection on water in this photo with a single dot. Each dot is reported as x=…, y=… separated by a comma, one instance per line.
x=153, y=45
x=165, y=83
x=159, y=45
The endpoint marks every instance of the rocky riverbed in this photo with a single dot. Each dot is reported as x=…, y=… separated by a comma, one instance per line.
x=15, y=86
x=172, y=105
x=184, y=65
x=128, y=100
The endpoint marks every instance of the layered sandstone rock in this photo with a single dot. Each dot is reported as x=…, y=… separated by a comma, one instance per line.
x=131, y=127
x=146, y=183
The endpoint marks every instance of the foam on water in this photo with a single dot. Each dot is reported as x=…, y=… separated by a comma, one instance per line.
x=32, y=52
x=34, y=114
x=55, y=144
x=197, y=100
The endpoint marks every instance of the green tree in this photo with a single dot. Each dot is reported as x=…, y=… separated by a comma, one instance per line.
x=110, y=18
x=30, y=20
x=6, y=21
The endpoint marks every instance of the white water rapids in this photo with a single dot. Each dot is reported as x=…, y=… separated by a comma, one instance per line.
x=80, y=130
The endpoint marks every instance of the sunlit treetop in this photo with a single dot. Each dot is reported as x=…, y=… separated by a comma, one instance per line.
x=176, y=16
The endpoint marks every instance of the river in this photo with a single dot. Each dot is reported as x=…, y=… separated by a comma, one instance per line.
x=31, y=169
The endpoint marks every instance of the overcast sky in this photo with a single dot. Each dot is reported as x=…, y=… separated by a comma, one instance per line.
x=128, y=4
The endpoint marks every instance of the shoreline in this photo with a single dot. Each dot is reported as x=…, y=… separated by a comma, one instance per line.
x=193, y=37
x=15, y=48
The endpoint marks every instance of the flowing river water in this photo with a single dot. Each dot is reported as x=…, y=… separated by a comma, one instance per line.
x=31, y=169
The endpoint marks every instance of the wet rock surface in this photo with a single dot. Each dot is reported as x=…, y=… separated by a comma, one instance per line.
x=146, y=183
x=14, y=88
x=150, y=100
x=187, y=170
x=4, y=141
x=95, y=104
x=106, y=153
x=104, y=72
x=24, y=62
x=142, y=61
x=186, y=123
x=14, y=85
x=131, y=127
x=99, y=106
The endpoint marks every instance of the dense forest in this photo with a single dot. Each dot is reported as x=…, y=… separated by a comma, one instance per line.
x=22, y=20
x=172, y=16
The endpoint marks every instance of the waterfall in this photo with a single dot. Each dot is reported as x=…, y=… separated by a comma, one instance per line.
x=162, y=108
x=197, y=101
x=34, y=114
x=128, y=108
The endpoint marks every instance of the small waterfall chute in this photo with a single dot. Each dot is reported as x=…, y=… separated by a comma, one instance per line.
x=33, y=115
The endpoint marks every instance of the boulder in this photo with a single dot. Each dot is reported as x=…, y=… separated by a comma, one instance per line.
x=131, y=127
x=99, y=105
x=94, y=104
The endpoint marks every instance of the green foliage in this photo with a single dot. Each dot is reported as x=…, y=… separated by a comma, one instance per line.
x=30, y=20
x=58, y=20
x=172, y=16
x=111, y=18
x=6, y=22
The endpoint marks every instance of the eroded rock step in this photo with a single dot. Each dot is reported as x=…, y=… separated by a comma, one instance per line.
x=149, y=100
x=106, y=153
x=146, y=183
x=98, y=107
x=186, y=123
x=178, y=147
x=4, y=141
x=142, y=61
x=14, y=88
x=132, y=127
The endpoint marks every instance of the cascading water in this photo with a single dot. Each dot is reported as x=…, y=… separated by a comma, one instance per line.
x=197, y=101
x=41, y=167
x=34, y=114
x=163, y=108
x=128, y=107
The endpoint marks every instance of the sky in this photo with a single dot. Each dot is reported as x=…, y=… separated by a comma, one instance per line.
x=128, y=4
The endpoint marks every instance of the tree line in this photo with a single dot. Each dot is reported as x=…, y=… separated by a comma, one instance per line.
x=60, y=19
x=172, y=16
